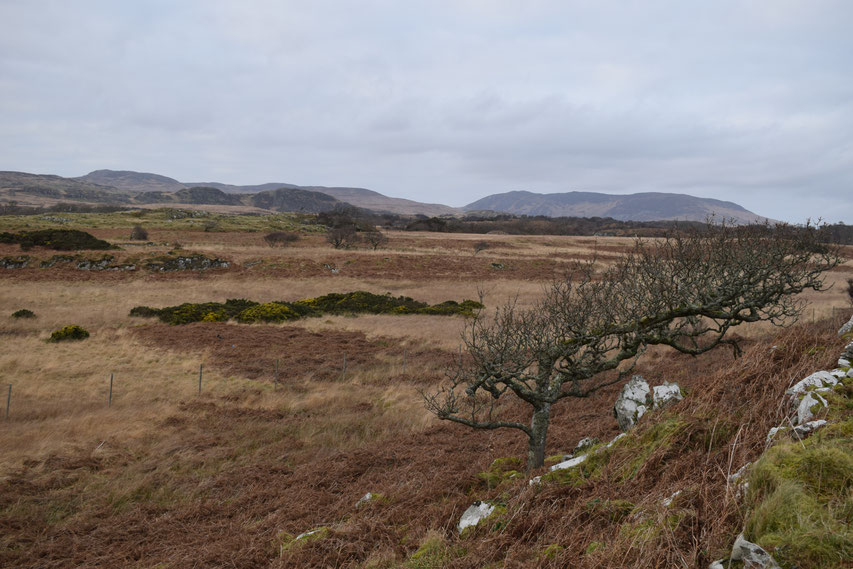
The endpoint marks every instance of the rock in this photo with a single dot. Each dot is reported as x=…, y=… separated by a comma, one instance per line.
x=364, y=499
x=15, y=262
x=584, y=444
x=847, y=354
x=806, y=411
x=847, y=327
x=478, y=512
x=817, y=379
x=802, y=431
x=307, y=534
x=569, y=463
x=752, y=555
x=740, y=472
x=850, y=372
x=718, y=564
x=616, y=438
x=843, y=362
x=771, y=434
x=838, y=373
x=666, y=394
x=668, y=501
x=633, y=402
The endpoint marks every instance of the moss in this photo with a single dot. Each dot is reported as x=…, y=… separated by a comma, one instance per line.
x=612, y=510
x=801, y=500
x=552, y=550
x=593, y=547
x=660, y=435
x=433, y=553
x=502, y=470
x=286, y=541
x=72, y=332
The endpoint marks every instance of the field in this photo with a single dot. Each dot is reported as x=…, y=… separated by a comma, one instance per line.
x=291, y=424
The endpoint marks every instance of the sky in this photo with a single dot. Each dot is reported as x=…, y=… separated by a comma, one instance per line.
x=440, y=101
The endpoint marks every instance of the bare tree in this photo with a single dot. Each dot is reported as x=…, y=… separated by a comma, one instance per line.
x=684, y=291
x=343, y=237
x=850, y=289
x=375, y=239
x=481, y=246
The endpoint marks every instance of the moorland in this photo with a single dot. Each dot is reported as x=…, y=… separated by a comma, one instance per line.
x=218, y=443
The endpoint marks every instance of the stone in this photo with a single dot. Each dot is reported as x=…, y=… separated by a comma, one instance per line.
x=364, y=499
x=752, y=555
x=740, y=472
x=718, y=564
x=666, y=394
x=802, y=431
x=616, y=438
x=668, y=501
x=771, y=434
x=633, y=402
x=478, y=512
x=817, y=379
x=838, y=373
x=843, y=362
x=572, y=462
x=806, y=411
x=584, y=444
x=847, y=327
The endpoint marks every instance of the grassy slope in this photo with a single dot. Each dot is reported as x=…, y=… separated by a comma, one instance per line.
x=165, y=478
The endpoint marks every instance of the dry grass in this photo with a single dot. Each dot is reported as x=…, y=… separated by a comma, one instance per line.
x=249, y=459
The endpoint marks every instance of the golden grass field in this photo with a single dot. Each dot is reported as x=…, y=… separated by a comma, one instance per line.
x=60, y=391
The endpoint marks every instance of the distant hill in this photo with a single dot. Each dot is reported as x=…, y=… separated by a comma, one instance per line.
x=132, y=181
x=649, y=206
x=368, y=199
x=292, y=199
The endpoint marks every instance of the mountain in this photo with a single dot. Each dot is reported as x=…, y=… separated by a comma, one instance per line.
x=20, y=185
x=132, y=181
x=368, y=199
x=293, y=199
x=648, y=206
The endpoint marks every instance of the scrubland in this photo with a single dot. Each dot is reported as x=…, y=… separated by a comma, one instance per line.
x=297, y=421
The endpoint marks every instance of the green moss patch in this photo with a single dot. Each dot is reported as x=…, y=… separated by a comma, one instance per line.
x=502, y=470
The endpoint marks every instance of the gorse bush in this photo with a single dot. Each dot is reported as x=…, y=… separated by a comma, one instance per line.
x=138, y=233
x=23, y=313
x=58, y=239
x=72, y=332
x=358, y=302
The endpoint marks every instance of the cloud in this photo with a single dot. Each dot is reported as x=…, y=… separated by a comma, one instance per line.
x=442, y=101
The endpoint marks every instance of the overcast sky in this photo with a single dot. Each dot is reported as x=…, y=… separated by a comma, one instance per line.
x=442, y=101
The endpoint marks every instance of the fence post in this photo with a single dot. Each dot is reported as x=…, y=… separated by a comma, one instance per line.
x=200, y=372
x=110, y=400
x=8, y=401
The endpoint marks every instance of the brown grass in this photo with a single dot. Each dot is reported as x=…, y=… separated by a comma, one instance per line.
x=166, y=478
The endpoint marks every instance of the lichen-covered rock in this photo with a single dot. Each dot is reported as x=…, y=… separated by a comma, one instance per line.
x=848, y=327
x=752, y=555
x=476, y=513
x=666, y=394
x=196, y=262
x=584, y=444
x=817, y=379
x=773, y=432
x=811, y=404
x=802, y=431
x=14, y=262
x=717, y=564
x=843, y=362
x=633, y=402
x=572, y=462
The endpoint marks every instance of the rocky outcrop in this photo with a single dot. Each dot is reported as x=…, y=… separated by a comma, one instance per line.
x=666, y=394
x=476, y=513
x=633, y=402
x=847, y=328
x=14, y=262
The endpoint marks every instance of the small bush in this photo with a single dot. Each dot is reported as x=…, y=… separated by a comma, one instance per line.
x=23, y=313
x=72, y=332
x=138, y=233
x=281, y=238
x=267, y=312
x=144, y=311
x=59, y=239
x=481, y=246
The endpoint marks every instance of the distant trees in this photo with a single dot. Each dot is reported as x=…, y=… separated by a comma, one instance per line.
x=686, y=291
x=281, y=238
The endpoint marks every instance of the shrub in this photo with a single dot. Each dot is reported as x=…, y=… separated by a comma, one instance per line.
x=72, y=332
x=138, y=233
x=481, y=246
x=281, y=238
x=144, y=311
x=267, y=312
x=60, y=240
x=23, y=313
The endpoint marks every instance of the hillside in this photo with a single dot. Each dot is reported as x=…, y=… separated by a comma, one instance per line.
x=132, y=181
x=649, y=206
